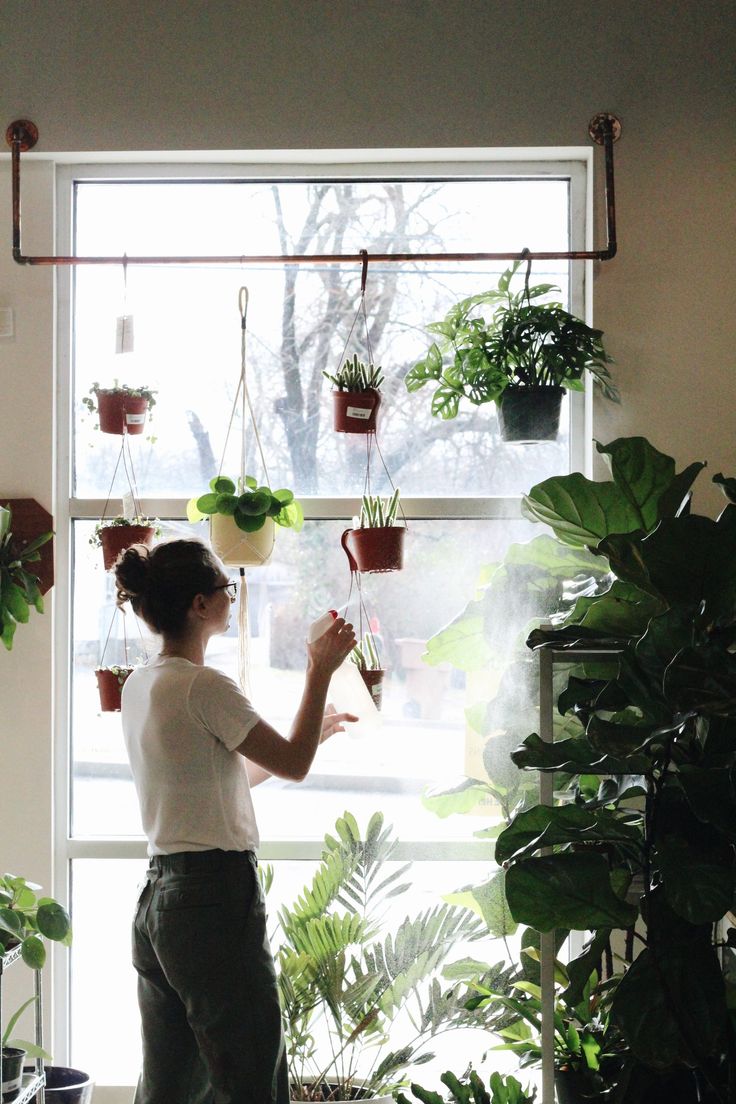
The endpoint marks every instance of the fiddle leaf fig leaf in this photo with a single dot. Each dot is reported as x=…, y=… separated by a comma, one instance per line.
x=575, y=756
x=624, y=610
x=727, y=485
x=581, y=512
x=488, y=901
x=711, y=794
x=642, y=473
x=699, y=882
x=657, y=989
x=568, y=890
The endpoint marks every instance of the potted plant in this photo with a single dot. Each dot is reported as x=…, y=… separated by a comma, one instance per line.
x=25, y=920
x=356, y=397
x=376, y=540
x=471, y=1089
x=655, y=848
x=114, y=535
x=365, y=656
x=14, y=1053
x=242, y=517
x=110, y=682
x=19, y=589
x=521, y=358
x=346, y=984
x=121, y=409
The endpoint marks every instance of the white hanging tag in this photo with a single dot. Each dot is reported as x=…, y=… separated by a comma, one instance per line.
x=124, y=335
x=128, y=506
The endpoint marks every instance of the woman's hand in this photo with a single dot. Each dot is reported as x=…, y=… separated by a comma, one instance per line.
x=327, y=652
x=333, y=722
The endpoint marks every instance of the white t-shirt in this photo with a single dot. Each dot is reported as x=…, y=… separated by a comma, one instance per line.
x=181, y=724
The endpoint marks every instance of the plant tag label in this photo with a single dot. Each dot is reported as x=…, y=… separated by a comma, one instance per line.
x=362, y=412
x=128, y=506
x=124, y=337
x=134, y=419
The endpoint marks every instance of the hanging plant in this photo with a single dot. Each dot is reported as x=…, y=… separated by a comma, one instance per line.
x=242, y=517
x=110, y=683
x=356, y=397
x=114, y=535
x=376, y=541
x=521, y=359
x=121, y=409
x=365, y=656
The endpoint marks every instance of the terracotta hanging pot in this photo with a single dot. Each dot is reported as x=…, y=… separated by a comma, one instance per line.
x=110, y=682
x=374, y=685
x=121, y=413
x=116, y=538
x=355, y=411
x=529, y=414
x=238, y=549
x=375, y=549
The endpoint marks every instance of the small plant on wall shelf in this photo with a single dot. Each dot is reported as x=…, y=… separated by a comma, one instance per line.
x=19, y=589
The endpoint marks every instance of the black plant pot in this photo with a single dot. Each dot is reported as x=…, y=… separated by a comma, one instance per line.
x=12, y=1072
x=67, y=1086
x=528, y=414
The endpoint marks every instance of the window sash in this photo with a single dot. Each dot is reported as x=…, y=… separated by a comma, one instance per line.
x=575, y=165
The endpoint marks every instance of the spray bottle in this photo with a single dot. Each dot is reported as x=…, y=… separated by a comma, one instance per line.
x=347, y=692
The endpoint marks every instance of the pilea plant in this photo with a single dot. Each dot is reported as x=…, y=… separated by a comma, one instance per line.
x=248, y=503
x=26, y=918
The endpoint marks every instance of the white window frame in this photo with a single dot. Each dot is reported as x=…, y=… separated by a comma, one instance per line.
x=575, y=164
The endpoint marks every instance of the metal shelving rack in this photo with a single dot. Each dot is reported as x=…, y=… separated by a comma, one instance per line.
x=33, y=1083
x=548, y=658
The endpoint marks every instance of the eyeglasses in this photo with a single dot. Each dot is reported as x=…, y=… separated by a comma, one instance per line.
x=231, y=588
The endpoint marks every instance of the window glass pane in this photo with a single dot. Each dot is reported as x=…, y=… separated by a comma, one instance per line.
x=187, y=328
x=421, y=736
x=105, y=1020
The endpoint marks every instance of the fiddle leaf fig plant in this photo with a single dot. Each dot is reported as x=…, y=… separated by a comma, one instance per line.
x=19, y=589
x=248, y=503
x=524, y=344
x=657, y=854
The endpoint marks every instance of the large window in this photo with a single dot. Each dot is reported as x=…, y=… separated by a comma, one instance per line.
x=460, y=485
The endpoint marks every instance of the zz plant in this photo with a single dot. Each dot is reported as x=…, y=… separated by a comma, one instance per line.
x=471, y=1089
x=362, y=1002
x=652, y=851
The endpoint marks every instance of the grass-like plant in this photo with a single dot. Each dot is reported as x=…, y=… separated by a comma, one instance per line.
x=355, y=376
x=365, y=654
x=377, y=512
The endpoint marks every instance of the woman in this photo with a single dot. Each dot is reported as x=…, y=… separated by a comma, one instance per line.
x=207, y=990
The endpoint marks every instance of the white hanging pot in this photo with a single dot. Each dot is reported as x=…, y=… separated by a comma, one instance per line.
x=238, y=549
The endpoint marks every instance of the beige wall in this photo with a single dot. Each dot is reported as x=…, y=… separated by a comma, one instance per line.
x=196, y=75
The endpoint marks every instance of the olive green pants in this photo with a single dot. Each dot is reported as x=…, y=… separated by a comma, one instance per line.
x=210, y=1015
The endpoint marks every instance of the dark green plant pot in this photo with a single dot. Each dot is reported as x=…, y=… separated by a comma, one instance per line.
x=529, y=414
x=12, y=1065
x=569, y=1088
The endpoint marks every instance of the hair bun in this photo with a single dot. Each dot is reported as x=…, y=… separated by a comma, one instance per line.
x=132, y=572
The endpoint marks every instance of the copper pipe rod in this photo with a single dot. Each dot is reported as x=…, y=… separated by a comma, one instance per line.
x=604, y=129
